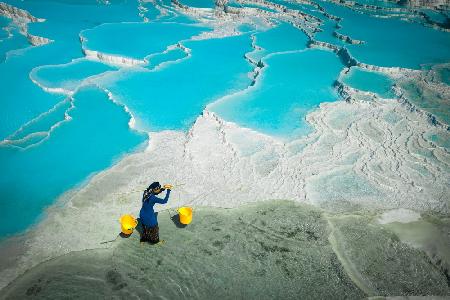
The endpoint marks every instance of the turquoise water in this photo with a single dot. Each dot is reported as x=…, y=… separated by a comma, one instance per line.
x=44, y=134
x=435, y=16
x=302, y=7
x=370, y=81
x=380, y=3
x=169, y=98
x=170, y=56
x=326, y=35
x=283, y=37
x=444, y=74
x=278, y=103
x=68, y=76
x=9, y=44
x=388, y=41
x=245, y=28
x=21, y=99
x=37, y=130
x=199, y=3
x=137, y=40
x=152, y=12
x=4, y=22
x=33, y=177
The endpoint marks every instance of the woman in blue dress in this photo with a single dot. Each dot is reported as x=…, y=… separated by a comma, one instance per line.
x=148, y=219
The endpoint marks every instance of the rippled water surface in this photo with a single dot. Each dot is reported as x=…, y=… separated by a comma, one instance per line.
x=268, y=250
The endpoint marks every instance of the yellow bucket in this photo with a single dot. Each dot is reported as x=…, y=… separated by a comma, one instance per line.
x=185, y=214
x=127, y=224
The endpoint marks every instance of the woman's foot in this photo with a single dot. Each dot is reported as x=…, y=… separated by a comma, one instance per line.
x=159, y=242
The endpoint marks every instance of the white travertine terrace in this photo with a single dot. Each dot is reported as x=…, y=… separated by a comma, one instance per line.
x=371, y=155
x=362, y=155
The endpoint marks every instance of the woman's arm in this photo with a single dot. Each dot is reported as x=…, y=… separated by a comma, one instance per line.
x=161, y=201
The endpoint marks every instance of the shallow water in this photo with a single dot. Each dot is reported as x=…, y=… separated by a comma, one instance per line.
x=33, y=177
x=428, y=235
x=370, y=81
x=10, y=38
x=372, y=264
x=428, y=99
x=283, y=37
x=379, y=3
x=267, y=250
x=435, y=16
x=278, y=103
x=199, y=3
x=166, y=103
x=68, y=77
x=326, y=35
x=170, y=56
x=21, y=99
x=137, y=40
x=388, y=42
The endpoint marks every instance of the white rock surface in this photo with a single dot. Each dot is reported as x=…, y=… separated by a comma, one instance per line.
x=363, y=155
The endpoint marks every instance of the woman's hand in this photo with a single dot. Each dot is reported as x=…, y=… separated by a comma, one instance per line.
x=168, y=186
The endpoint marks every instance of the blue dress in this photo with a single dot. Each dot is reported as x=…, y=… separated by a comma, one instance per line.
x=147, y=214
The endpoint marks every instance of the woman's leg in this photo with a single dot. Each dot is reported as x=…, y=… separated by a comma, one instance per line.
x=153, y=234
x=145, y=233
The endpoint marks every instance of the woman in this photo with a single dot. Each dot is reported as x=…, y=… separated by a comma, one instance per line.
x=150, y=229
